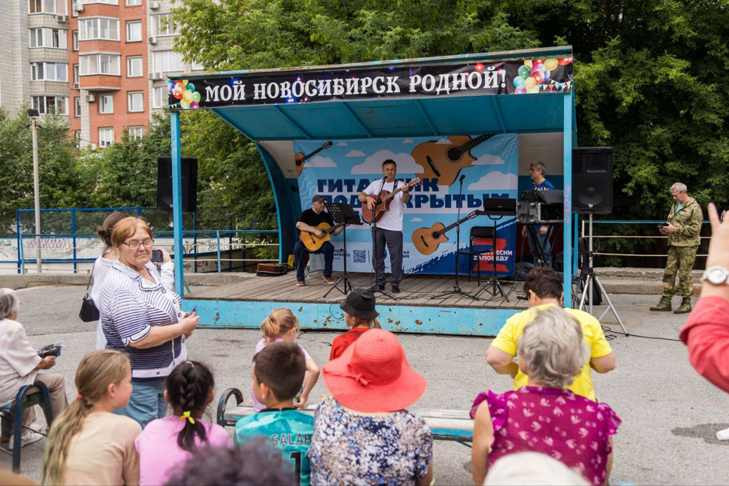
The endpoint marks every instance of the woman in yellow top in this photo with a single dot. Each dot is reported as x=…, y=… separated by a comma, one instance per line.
x=544, y=288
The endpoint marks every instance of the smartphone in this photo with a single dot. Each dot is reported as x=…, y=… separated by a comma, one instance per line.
x=157, y=256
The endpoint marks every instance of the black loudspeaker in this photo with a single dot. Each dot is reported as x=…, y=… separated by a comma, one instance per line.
x=592, y=180
x=189, y=184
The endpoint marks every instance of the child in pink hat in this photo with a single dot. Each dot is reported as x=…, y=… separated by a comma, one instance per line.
x=371, y=386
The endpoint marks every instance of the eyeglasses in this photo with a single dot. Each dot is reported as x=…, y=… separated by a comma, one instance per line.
x=134, y=244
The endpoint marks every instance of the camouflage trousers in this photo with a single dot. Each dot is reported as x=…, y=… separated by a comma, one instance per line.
x=681, y=262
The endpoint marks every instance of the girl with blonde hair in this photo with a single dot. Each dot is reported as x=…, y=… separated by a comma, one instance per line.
x=283, y=325
x=88, y=444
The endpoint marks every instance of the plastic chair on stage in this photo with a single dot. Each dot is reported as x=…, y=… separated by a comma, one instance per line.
x=315, y=263
x=12, y=413
x=477, y=247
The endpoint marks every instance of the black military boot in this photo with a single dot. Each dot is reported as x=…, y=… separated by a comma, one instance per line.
x=664, y=305
x=685, y=306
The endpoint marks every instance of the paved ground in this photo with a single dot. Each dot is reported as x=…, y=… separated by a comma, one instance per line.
x=669, y=413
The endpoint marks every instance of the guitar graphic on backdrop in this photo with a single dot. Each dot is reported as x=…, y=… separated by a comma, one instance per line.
x=443, y=161
x=300, y=157
x=427, y=240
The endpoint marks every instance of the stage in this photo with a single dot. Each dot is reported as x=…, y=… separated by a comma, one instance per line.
x=419, y=307
x=465, y=128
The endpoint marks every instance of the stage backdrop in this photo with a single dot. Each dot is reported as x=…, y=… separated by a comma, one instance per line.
x=486, y=163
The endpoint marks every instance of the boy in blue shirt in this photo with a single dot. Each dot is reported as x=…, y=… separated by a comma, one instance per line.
x=278, y=373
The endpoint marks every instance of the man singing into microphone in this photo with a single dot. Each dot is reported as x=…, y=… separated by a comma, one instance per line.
x=388, y=230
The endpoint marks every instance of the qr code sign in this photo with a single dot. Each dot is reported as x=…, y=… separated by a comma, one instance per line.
x=359, y=256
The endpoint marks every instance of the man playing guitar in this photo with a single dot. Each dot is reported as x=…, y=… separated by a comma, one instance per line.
x=308, y=222
x=388, y=229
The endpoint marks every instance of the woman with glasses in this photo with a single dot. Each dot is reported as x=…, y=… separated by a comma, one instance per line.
x=142, y=318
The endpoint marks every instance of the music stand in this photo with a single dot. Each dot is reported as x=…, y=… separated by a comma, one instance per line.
x=495, y=208
x=343, y=213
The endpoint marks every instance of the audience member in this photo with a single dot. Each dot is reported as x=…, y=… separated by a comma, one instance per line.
x=278, y=372
x=359, y=315
x=88, y=444
x=706, y=333
x=543, y=416
x=20, y=365
x=166, y=443
x=532, y=469
x=282, y=325
x=544, y=290
x=254, y=463
x=102, y=267
x=363, y=434
x=143, y=318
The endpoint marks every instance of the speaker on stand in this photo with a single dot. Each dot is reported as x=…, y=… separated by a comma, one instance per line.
x=189, y=191
x=592, y=193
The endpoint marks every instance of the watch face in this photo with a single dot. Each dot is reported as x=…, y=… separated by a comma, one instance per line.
x=716, y=275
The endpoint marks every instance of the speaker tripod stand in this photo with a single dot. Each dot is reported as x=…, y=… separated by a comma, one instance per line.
x=591, y=281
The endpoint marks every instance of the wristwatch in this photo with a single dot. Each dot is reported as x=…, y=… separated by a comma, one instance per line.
x=716, y=275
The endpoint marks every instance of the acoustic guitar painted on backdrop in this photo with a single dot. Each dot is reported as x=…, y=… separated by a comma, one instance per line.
x=300, y=157
x=313, y=242
x=427, y=240
x=382, y=202
x=443, y=161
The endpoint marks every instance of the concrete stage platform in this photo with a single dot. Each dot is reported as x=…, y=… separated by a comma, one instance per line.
x=420, y=307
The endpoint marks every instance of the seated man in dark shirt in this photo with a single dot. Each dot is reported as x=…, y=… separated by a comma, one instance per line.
x=308, y=222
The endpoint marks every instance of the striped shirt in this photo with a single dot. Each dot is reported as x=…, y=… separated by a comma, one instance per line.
x=129, y=308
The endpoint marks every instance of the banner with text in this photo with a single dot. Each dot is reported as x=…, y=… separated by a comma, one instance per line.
x=517, y=76
x=457, y=172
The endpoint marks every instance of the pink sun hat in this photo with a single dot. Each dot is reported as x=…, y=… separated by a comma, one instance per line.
x=373, y=375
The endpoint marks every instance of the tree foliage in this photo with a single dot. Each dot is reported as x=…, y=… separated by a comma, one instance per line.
x=650, y=76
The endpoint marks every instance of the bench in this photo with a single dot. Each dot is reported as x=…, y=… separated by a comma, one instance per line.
x=446, y=425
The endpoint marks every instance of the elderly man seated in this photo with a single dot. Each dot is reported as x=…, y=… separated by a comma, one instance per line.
x=20, y=364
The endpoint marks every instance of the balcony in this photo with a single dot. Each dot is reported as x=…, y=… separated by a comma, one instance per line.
x=101, y=82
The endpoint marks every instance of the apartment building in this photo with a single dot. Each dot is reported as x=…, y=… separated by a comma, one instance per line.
x=34, y=65
x=122, y=52
x=101, y=63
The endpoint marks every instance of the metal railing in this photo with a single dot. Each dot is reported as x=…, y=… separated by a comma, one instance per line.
x=648, y=237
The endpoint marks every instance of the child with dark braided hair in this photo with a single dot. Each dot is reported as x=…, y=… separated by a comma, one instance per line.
x=166, y=443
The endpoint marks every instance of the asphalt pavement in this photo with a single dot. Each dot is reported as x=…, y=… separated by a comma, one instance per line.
x=670, y=414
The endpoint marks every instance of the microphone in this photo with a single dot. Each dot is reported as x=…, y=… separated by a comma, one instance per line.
x=460, y=179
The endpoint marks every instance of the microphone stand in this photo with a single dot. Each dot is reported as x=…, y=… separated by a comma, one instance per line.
x=456, y=284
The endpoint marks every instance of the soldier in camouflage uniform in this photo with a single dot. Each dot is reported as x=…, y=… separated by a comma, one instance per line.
x=683, y=229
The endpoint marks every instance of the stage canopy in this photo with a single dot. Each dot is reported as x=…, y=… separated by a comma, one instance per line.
x=526, y=91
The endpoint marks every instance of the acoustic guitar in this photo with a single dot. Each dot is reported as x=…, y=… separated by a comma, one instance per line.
x=382, y=202
x=300, y=157
x=443, y=161
x=312, y=242
x=427, y=240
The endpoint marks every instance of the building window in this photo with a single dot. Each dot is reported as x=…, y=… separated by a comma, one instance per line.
x=133, y=3
x=163, y=25
x=135, y=101
x=98, y=28
x=52, y=38
x=47, y=105
x=47, y=6
x=135, y=133
x=49, y=71
x=77, y=106
x=134, y=31
x=74, y=36
x=159, y=97
x=106, y=104
x=135, y=66
x=166, y=61
x=76, y=77
x=99, y=64
x=106, y=136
